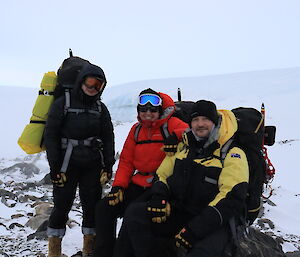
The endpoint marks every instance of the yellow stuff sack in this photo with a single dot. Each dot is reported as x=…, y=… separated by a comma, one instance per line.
x=31, y=140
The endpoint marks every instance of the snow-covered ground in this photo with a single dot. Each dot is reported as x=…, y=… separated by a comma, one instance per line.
x=278, y=89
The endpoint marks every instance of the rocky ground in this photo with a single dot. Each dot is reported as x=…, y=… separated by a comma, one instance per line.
x=26, y=202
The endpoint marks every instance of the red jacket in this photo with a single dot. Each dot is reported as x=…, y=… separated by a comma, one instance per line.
x=146, y=157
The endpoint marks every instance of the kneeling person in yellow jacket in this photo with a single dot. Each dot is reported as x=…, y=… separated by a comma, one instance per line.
x=196, y=193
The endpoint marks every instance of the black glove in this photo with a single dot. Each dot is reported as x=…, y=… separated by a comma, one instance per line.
x=105, y=176
x=185, y=239
x=115, y=196
x=58, y=178
x=170, y=144
x=158, y=208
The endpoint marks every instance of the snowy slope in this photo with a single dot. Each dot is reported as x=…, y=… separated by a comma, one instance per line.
x=278, y=89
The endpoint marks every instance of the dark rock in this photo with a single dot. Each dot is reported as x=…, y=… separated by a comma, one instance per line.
x=261, y=223
x=78, y=254
x=29, y=186
x=46, y=180
x=4, y=254
x=38, y=235
x=293, y=254
x=43, y=226
x=13, y=225
x=28, y=169
x=16, y=216
x=6, y=194
x=269, y=202
x=36, y=221
x=1, y=224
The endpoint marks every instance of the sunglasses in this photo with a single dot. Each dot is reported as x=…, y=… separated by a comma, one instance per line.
x=94, y=83
x=146, y=108
x=149, y=98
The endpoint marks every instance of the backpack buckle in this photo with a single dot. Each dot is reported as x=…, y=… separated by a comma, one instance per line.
x=46, y=92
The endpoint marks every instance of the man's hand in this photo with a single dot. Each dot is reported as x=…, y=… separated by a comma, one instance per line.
x=158, y=208
x=115, y=196
x=170, y=145
x=58, y=179
x=105, y=176
x=184, y=239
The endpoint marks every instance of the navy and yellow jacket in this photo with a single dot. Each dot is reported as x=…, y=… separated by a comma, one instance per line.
x=201, y=184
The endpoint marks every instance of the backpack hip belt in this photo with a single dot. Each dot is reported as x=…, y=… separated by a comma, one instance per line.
x=69, y=144
x=143, y=173
x=150, y=179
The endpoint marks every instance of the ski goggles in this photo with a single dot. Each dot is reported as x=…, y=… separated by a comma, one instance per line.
x=148, y=108
x=154, y=100
x=94, y=83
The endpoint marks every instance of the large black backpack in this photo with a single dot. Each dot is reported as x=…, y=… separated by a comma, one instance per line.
x=66, y=77
x=67, y=73
x=251, y=137
x=183, y=110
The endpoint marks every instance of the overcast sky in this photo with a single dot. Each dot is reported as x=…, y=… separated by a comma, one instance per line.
x=139, y=40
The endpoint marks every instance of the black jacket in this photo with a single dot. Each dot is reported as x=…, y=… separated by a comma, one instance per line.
x=200, y=184
x=79, y=126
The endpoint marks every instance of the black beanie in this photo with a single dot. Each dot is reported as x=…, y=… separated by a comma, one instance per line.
x=149, y=91
x=207, y=109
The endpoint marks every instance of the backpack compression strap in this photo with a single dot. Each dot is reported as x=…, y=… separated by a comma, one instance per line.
x=69, y=144
x=164, y=131
x=47, y=93
x=74, y=110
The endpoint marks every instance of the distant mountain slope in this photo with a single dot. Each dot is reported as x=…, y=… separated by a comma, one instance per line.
x=228, y=90
x=277, y=88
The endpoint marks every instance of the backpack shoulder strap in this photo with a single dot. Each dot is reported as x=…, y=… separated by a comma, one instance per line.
x=137, y=131
x=98, y=102
x=225, y=149
x=164, y=130
x=67, y=101
x=68, y=108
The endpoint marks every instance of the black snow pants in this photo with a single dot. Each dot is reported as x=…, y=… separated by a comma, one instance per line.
x=140, y=237
x=106, y=219
x=87, y=177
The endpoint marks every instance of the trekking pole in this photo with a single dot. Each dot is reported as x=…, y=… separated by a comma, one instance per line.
x=263, y=114
x=270, y=169
x=70, y=52
x=179, y=94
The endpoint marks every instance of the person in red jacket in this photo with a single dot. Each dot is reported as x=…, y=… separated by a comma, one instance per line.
x=155, y=134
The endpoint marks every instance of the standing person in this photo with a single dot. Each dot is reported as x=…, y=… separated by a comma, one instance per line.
x=139, y=160
x=79, y=142
x=196, y=195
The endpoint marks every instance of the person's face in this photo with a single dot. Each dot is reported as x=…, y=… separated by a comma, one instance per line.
x=149, y=113
x=201, y=126
x=91, y=86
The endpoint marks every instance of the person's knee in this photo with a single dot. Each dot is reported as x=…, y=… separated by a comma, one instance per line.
x=102, y=206
x=136, y=212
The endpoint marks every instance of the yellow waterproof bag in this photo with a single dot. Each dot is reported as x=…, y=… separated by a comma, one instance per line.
x=31, y=140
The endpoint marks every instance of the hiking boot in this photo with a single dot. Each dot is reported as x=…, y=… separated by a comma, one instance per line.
x=88, y=245
x=54, y=246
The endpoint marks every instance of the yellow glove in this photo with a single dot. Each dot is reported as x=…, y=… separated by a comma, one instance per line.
x=184, y=239
x=159, y=209
x=59, y=179
x=115, y=196
x=104, y=177
x=170, y=145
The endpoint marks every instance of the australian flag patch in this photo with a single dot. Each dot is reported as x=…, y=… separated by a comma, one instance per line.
x=235, y=155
